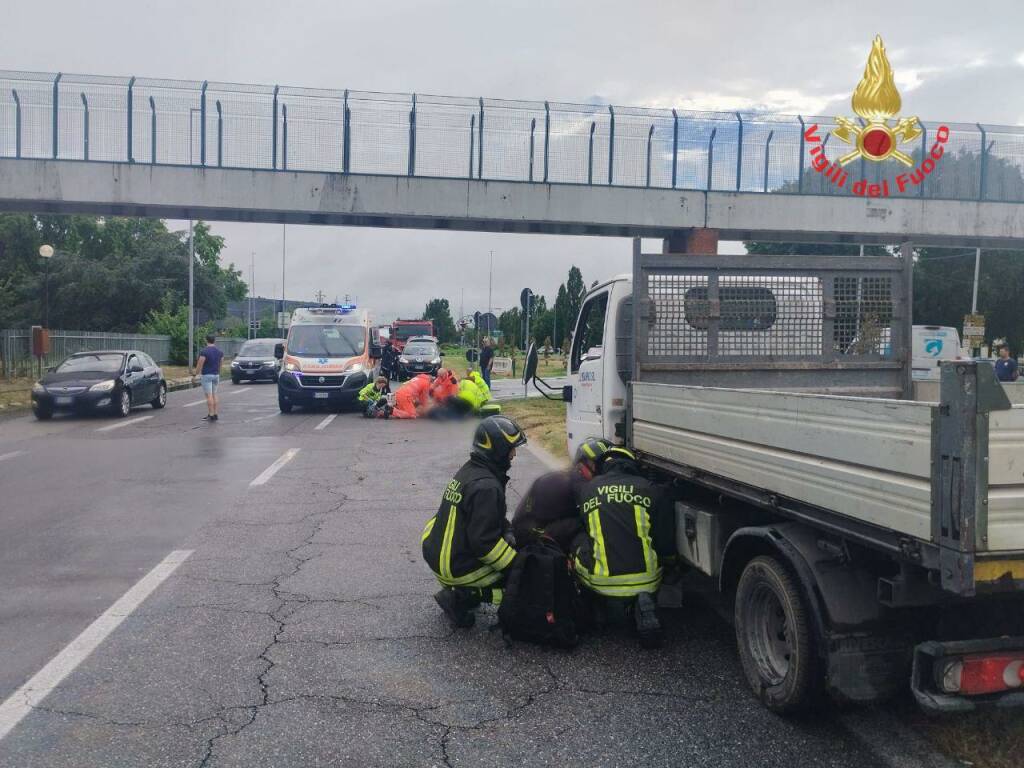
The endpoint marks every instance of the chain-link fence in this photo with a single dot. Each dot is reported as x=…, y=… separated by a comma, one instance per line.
x=16, y=347
x=143, y=120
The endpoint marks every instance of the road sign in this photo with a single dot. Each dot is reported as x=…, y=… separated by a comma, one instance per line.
x=974, y=327
x=284, y=319
x=525, y=296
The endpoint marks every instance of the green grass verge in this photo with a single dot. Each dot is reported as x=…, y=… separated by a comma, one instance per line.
x=543, y=420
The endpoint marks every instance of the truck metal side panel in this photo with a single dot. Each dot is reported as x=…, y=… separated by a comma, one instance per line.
x=792, y=457
x=867, y=459
x=1006, y=480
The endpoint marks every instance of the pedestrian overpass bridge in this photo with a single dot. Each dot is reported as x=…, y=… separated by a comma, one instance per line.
x=140, y=147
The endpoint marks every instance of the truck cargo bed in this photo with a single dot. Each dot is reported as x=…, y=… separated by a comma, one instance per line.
x=866, y=459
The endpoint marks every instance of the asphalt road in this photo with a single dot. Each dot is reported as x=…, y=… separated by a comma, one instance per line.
x=300, y=630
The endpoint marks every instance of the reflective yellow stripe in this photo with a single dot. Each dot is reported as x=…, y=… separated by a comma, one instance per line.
x=481, y=577
x=995, y=570
x=496, y=596
x=428, y=528
x=643, y=530
x=446, y=545
x=619, y=586
x=500, y=556
x=600, y=556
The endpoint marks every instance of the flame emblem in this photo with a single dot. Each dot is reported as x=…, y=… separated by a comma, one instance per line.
x=877, y=101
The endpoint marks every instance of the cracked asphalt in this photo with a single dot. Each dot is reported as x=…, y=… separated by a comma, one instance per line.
x=301, y=631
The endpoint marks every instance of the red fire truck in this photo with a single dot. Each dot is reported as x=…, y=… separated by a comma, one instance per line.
x=403, y=330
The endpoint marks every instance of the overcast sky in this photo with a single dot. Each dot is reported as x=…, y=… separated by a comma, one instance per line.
x=954, y=61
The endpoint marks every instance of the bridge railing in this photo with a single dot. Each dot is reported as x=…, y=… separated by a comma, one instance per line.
x=175, y=122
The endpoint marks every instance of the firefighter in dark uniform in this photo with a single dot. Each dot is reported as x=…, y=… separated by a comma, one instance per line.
x=467, y=543
x=629, y=536
x=551, y=507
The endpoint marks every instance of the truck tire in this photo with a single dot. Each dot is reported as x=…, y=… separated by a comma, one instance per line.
x=774, y=636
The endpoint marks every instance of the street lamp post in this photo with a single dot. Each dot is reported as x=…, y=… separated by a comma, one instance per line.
x=46, y=252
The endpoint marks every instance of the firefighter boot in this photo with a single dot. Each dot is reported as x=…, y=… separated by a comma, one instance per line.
x=648, y=628
x=458, y=605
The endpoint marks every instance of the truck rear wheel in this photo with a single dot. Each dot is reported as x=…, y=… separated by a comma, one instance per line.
x=773, y=632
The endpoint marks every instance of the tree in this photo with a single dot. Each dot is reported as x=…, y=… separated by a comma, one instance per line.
x=439, y=311
x=171, y=320
x=574, y=290
x=107, y=274
x=510, y=323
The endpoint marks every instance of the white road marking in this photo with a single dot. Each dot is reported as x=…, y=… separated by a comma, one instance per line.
x=11, y=455
x=219, y=394
x=120, y=424
x=21, y=702
x=195, y=402
x=269, y=472
x=322, y=425
x=238, y=391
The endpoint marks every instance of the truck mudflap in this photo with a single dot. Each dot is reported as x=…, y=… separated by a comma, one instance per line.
x=966, y=675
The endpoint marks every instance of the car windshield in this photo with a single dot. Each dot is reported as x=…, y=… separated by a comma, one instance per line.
x=327, y=340
x=421, y=349
x=99, y=363
x=257, y=349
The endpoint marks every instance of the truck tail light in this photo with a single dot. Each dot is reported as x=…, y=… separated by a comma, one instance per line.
x=980, y=674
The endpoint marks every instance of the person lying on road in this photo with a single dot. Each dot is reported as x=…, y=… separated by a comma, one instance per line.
x=412, y=399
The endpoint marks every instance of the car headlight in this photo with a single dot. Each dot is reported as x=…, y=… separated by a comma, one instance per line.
x=103, y=386
x=38, y=388
x=355, y=368
x=291, y=367
x=403, y=359
x=234, y=363
x=270, y=364
x=436, y=361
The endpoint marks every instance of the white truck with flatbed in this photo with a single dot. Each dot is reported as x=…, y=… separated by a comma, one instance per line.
x=865, y=540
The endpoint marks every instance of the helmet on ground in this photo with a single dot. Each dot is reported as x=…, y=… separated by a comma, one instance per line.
x=615, y=454
x=495, y=438
x=587, y=455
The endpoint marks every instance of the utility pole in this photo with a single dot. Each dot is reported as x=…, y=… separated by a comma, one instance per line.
x=252, y=296
x=191, y=296
x=284, y=248
x=490, y=284
x=977, y=271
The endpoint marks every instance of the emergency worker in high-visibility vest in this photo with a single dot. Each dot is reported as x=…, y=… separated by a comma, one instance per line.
x=467, y=542
x=629, y=532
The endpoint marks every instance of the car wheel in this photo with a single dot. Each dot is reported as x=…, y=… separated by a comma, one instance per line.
x=234, y=379
x=123, y=405
x=44, y=414
x=773, y=632
x=161, y=397
x=284, y=405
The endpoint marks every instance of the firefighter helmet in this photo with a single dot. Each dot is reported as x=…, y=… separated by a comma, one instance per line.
x=495, y=438
x=587, y=455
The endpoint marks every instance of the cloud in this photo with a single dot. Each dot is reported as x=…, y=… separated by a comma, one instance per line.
x=789, y=101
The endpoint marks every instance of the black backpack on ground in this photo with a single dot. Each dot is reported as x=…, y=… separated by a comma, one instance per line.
x=542, y=602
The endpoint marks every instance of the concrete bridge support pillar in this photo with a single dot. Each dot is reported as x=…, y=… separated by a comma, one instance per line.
x=693, y=240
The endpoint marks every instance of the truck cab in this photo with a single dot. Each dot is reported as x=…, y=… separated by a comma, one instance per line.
x=328, y=356
x=597, y=403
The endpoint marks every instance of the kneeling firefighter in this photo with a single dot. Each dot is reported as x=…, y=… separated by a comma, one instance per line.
x=628, y=536
x=466, y=543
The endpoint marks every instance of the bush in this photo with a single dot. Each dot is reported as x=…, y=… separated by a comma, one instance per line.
x=173, y=321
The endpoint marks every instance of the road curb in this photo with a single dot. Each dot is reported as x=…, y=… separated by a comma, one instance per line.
x=895, y=744
x=546, y=458
x=178, y=384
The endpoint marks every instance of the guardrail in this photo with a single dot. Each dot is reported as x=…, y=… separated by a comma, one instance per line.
x=16, y=349
x=225, y=125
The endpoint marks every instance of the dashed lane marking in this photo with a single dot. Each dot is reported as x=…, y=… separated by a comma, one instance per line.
x=21, y=702
x=323, y=424
x=11, y=455
x=120, y=424
x=263, y=477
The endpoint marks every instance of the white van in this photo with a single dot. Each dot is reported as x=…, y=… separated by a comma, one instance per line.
x=329, y=355
x=932, y=344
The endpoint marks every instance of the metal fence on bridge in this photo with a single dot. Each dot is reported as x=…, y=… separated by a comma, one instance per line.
x=16, y=347
x=174, y=122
